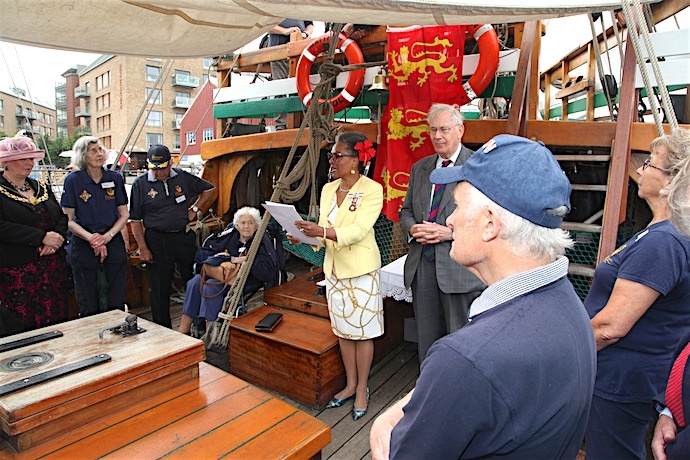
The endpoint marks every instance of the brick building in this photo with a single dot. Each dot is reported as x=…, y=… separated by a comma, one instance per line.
x=18, y=112
x=110, y=93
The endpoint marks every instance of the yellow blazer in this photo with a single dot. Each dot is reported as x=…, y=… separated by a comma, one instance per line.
x=356, y=252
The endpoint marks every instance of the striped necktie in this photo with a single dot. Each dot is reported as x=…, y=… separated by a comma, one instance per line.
x=428, y=249
x=674, y=388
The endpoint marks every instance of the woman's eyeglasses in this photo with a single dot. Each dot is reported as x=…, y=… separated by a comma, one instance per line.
x=648, y=164
x=337, y=156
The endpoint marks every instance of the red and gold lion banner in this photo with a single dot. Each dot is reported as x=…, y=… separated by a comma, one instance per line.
x=424, y=67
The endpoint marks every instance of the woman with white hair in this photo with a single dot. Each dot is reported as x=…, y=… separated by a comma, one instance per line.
x=95, y=202
x=639, y=303
x=34, y=280
x=207, y=300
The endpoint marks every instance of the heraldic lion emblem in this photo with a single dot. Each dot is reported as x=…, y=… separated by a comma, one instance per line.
x=415, y=127
x=420, y=58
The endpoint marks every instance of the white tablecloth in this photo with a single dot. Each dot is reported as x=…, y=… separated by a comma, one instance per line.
x=393, y=281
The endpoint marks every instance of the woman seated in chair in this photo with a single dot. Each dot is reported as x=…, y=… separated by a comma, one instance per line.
x=207, y=303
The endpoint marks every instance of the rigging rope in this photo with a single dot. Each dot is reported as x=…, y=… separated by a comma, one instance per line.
x=319, y=118
x=633, y=36
x=600, y=65
x=635, y=20
x=168, y=64
x=320, y=131
x=665, y=98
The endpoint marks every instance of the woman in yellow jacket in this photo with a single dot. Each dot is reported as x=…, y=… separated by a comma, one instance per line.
x=350, y=205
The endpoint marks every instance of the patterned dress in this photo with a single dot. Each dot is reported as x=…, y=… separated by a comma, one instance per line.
x=34, y=293
x=355, y=305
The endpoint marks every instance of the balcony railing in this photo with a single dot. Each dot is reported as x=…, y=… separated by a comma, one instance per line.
x=182, y=103
x=83, y=113
x=82, y=92
x=185, y=80
x=26, y=114
x=176, y=124
x=60, y=102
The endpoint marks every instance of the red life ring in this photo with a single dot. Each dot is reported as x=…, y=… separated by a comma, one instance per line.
x=355, y=79
x=488, y=62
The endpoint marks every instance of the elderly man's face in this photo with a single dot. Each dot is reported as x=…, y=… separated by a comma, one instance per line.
x=466, y=233
x=445, y=134
x=161, y=173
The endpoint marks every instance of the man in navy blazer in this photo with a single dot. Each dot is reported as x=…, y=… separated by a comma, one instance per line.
x=442, y=288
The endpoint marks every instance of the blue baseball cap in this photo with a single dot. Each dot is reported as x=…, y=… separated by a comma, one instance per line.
x=520, y=175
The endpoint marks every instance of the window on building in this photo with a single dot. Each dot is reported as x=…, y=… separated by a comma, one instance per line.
x=154, y=118
x=153, y=139
x=103, y=123
x=49, y=118
x=208, y=134
x=103, y=102
x=106, y=142
x=208, y=62
x=183, y=99
x=176, y=145
x=204, y=79
x=152, y=73
x=191, y=138
x=103, y=81
x=42, y=117
x=157, y=97
x=0, y=104
x=2, y=121
x=62, y=131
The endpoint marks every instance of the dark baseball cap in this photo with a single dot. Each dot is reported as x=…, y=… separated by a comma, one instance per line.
x=520, y=175
x=158, y=157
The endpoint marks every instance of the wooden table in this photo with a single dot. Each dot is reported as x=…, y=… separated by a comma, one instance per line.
x=220, y=416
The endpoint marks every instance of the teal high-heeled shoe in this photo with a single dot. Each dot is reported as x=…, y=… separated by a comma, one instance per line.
x=359, y=413
x=337, y=402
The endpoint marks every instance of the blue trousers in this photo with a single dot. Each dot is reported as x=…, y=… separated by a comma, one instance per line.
x=617, y=430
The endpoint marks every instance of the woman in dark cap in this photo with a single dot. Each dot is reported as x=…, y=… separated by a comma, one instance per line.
x=34, y=280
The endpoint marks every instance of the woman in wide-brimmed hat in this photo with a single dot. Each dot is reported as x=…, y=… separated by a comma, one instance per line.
x=34, y=280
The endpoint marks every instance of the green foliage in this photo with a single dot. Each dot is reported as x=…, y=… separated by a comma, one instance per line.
x=54, y=147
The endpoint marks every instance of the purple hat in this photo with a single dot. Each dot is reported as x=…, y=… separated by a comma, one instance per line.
x=19, y=148
x=520, y=175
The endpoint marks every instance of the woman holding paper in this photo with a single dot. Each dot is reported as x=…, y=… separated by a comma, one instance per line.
x=350, y=206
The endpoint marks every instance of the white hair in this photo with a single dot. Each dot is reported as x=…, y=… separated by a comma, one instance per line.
x=677, y=145
x=80, y=147
x=526, y=238
x=247, y=210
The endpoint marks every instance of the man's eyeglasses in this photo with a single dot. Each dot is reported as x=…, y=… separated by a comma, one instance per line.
x=648, y=164
x=443, y=129
x=338, y=156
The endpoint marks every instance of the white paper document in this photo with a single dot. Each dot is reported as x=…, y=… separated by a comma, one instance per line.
x=286, y=215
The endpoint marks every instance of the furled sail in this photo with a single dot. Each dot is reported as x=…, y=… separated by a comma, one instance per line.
x=192, y=28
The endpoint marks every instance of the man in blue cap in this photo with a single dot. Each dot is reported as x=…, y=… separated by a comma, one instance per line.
x=164, y=201
x=517, y=381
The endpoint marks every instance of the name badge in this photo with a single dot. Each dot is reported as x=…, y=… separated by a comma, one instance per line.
x=110, y=184
x=180, y=199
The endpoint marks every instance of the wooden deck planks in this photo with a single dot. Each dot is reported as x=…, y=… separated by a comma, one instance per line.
x=392, y=378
